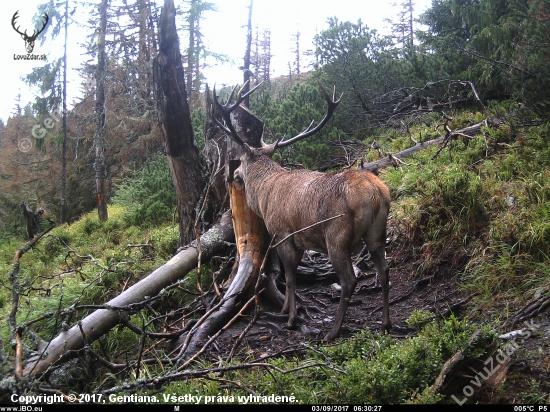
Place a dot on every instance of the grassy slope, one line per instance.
(83, 263)
(483, 218)
(486, 216)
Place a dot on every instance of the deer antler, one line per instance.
(332, 105)
(227, 108)
(15, 16)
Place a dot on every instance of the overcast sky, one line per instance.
(224, 32)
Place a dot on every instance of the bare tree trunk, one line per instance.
(216, 151)
(67, 344)
(250, 235)
(392, 159)
(266, 58)
(145, 36)
(187, 166)
(297, 53)
(31, 221)
(99, 137)
(63, 206)
(191, 49)
(256, 56)
(143, 46)
(196, 85)
(411, 30)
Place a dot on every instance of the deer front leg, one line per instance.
(291, 258)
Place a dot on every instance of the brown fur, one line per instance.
(289, 200)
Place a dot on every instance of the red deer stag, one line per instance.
(290, 200)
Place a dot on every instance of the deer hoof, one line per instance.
(291, 322)
(329, 337)
(385, 328)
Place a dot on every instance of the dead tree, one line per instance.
(216, 151)
(246, 65)
(250, 235)
(100, 113)
(32, 221)
(187, 166)
(394, 159)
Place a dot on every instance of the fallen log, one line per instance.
(68, 343)
(390, 160)
(451, 363)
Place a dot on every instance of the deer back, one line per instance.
(290, 200)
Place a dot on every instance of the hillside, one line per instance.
(467, 242)
(135, 268)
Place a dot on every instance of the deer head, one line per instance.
(29, 40)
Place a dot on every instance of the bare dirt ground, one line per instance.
(318, 297)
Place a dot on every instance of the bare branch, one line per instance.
(306, 228)
(213, 338)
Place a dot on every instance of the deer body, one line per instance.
(290, 200)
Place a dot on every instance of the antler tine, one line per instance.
(332, 105)
(226, 110)
(240, 97)
(248, 93)
(327, 96)
(269, 149)
(230, 131)
(228, 103)
(224, 128)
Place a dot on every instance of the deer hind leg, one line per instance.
(341, 262)
(378, 257)
(290, 257)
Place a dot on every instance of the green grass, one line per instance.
(366, 369)
(87, 262)
(487, 217)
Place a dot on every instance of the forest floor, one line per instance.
(523, 378)
(318, 297)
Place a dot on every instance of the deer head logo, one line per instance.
(29, 40)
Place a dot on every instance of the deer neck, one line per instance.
(259, 178)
